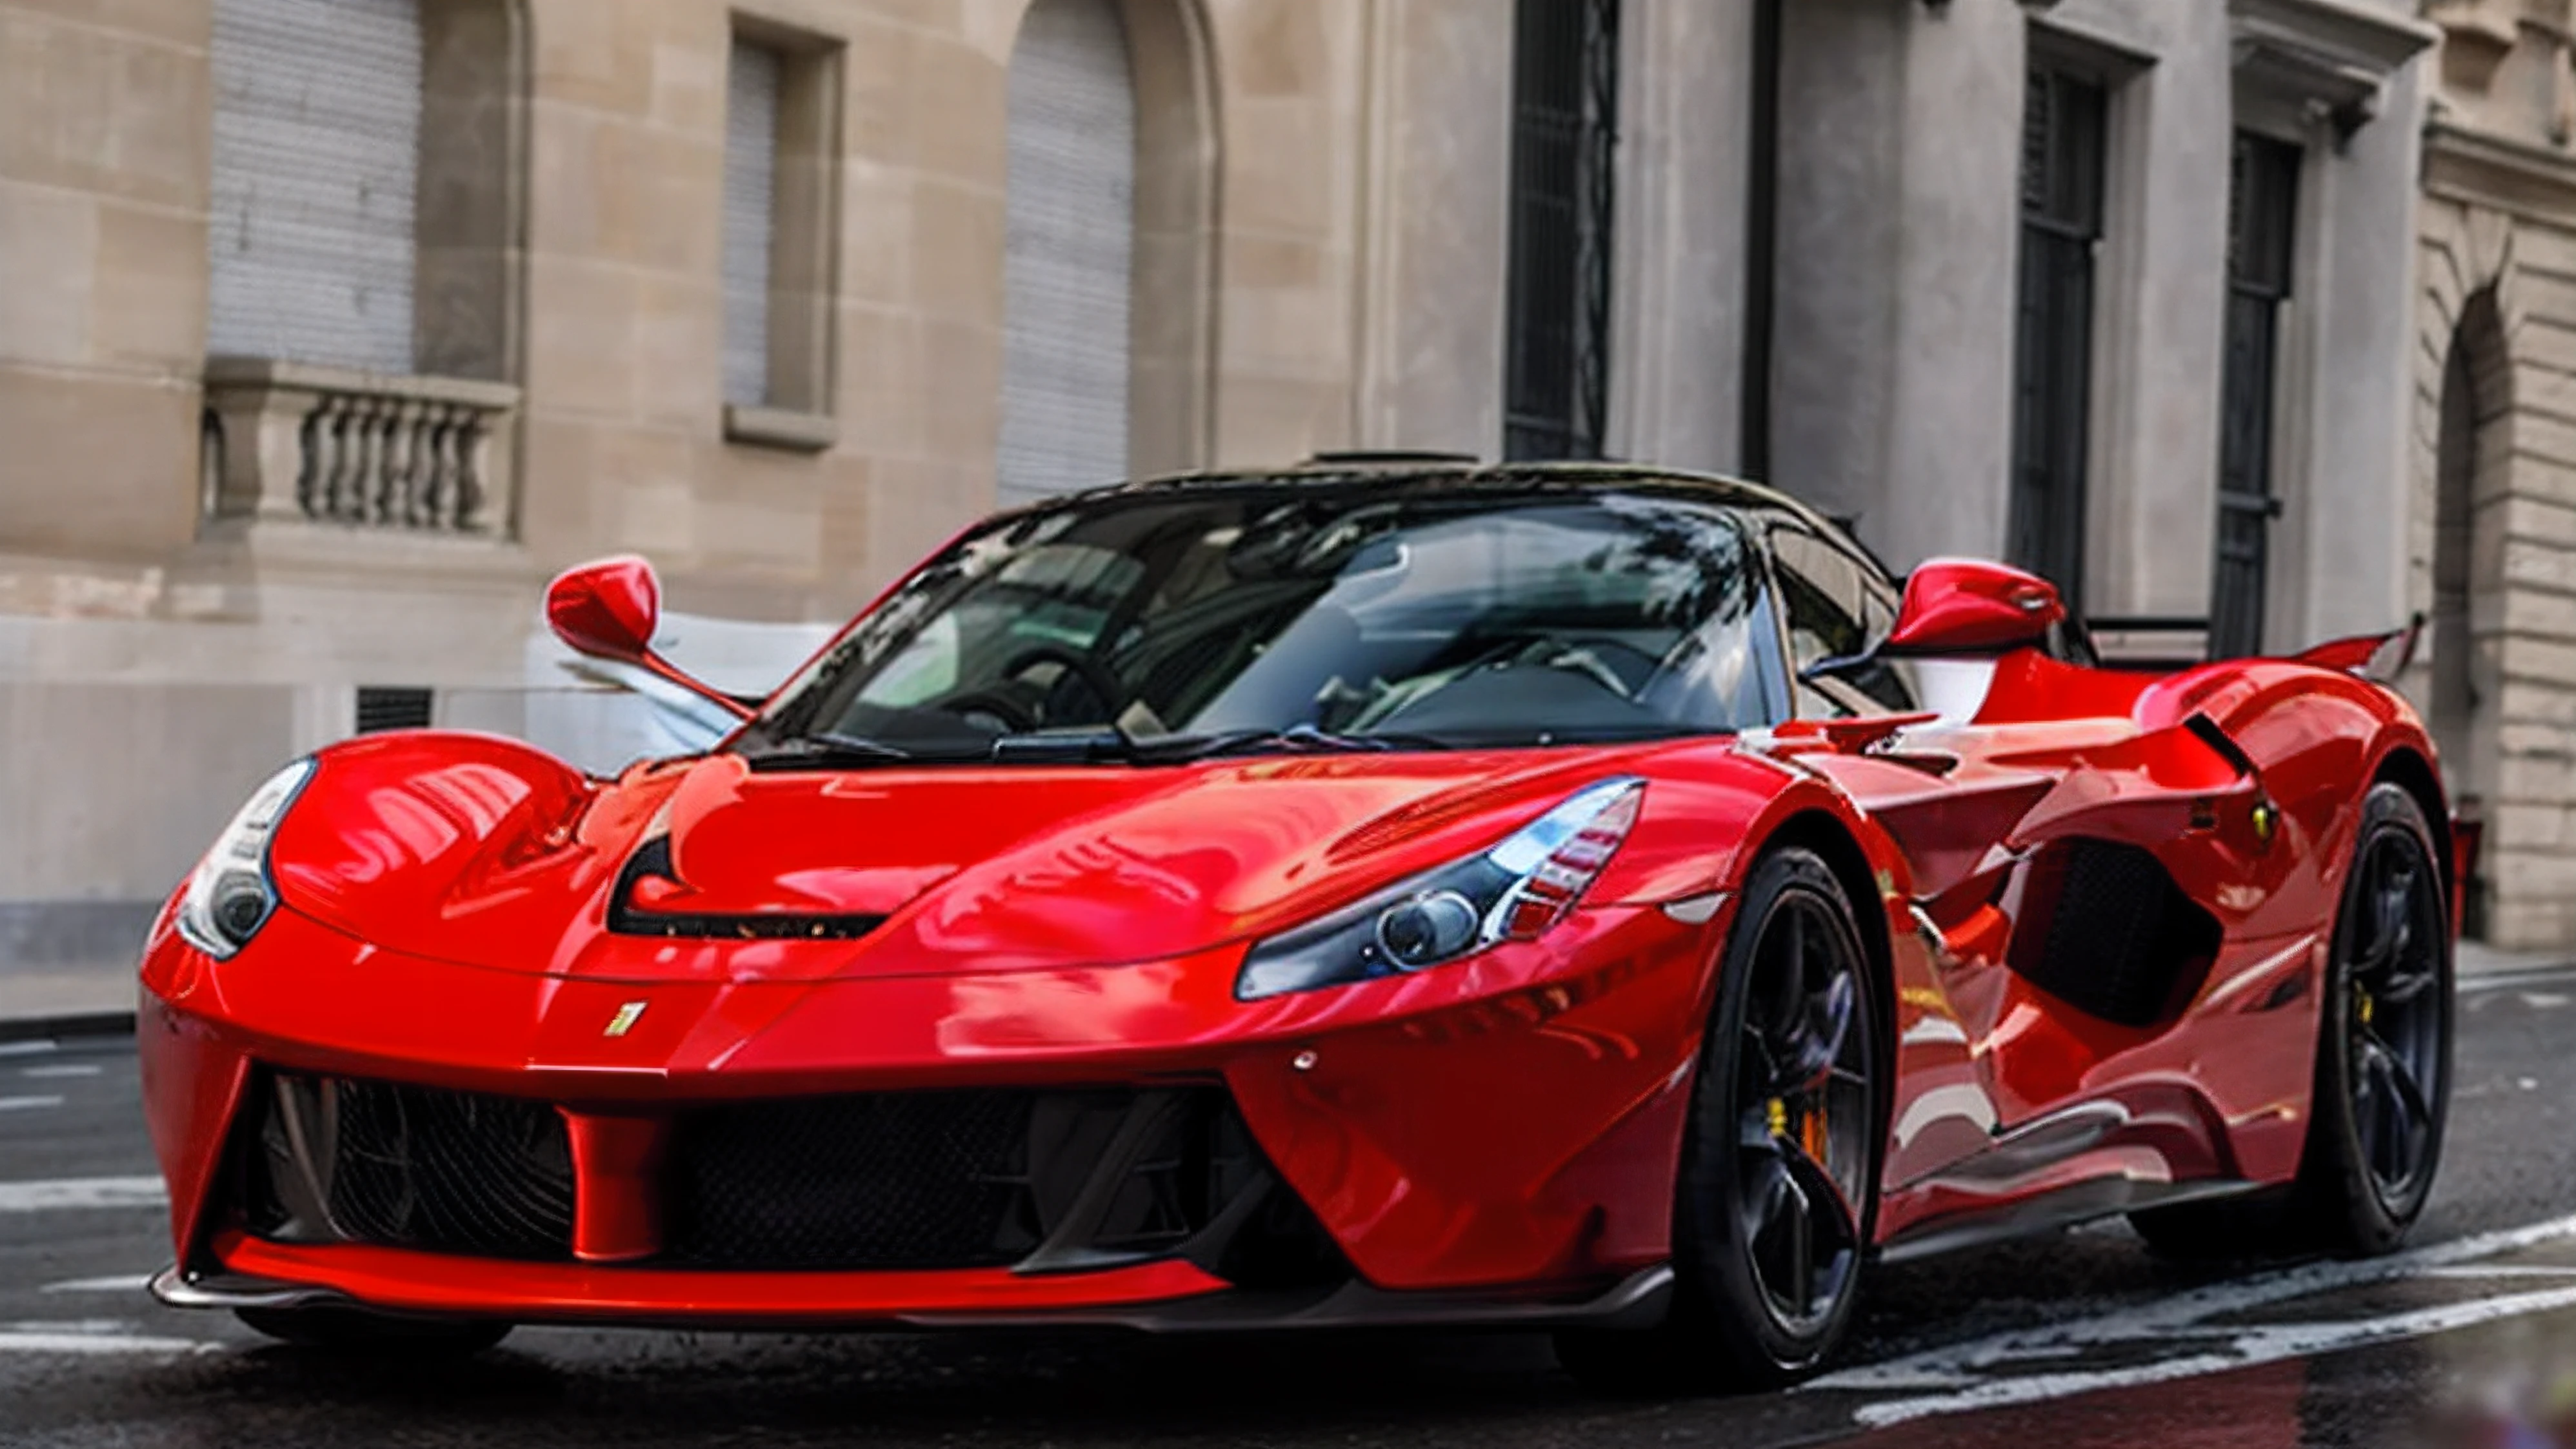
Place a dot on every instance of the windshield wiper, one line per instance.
(1307, 739)
(824, 748)
(1112, 742)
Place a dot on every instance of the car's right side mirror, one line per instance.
(1968, 606)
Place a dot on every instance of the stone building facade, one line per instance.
(2492, 547)
(330, 328)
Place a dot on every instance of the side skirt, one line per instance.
(2065, 1207)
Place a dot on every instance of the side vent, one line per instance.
(2106, 930)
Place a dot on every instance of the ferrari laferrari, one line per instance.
(1583, 898)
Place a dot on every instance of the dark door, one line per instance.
(1565, 107)
(2262, 209)
(2063, 121)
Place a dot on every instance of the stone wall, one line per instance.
(2497, 301)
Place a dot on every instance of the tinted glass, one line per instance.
(1835, 610)
(1424, 616)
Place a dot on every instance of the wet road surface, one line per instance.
(2469, 1337)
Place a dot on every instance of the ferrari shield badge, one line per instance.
(625, 1019)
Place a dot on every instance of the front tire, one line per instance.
(356, 1331)
(1777, 1197)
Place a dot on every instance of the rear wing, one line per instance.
(2166, 643)
(2379, 657)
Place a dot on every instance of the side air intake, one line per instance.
(2106, 930)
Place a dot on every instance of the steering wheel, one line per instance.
(1576, 656)
(1617, 656)
(1014, 716)
(1095, 675)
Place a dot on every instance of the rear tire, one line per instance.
(2383, 1067)
(2383, 1083)
(356, 1331)
(1777, 1197)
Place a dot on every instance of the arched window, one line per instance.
(1068, 251)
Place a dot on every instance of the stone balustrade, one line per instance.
(332, 445)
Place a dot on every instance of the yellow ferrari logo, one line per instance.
(624, 1021)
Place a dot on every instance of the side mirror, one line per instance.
(610, 610)
(1965, 606)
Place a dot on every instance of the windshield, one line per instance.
(1355, 614)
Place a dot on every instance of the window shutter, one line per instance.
(750, 209)
(1068, 239)
(315, 159)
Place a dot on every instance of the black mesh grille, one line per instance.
(414, 1167)
(909, 1180)
(2119, 936)
(949, 1179)
(1039, 1180)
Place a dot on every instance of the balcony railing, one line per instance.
(292, 441)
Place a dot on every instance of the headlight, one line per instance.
(1512, 892)
(230, 897)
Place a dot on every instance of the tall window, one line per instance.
(1069, 236)
(316, 139)
(2061, 223)
(750, 218)
(782, 124)
(1565, 108)
(2262, 210)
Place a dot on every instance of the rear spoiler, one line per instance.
(2168, 643)
(2378, 657)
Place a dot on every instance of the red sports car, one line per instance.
(1589, 898)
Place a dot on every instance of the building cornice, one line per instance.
(2480, 168)
(2334, 56)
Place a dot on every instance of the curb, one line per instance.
(66, 1025)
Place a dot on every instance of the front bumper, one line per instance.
(1165, 1298)
(1490, 1142)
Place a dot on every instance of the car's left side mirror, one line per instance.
(610, 609)
(1966, 606)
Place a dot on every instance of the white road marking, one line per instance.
(2543, 1000)
(63, 1069)
(129, 1283)
(91, 1338)
(28, 1104)
(27, 1048)
(2508, 980)
(1980, 1373)
(2250, 1348)
(81, 1192)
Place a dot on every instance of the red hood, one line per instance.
(467, 849)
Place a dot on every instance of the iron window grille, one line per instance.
(1565, 107)
(2262, 216)
(382, 708)
(2064, 120)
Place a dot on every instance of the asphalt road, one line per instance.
(2080, 1339)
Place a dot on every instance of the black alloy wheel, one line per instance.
(2383, 1083)
(1778, 1190)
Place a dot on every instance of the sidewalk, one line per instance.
(33, 995)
